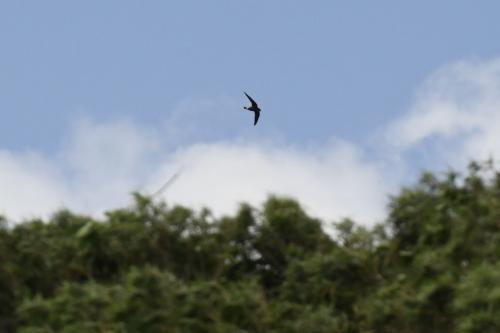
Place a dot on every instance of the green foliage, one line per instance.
(432, 266)
(478, 299)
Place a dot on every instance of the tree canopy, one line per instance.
(431, 266)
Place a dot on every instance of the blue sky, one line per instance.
(174, 72)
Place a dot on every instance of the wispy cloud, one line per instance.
(95, 170)
(456, 114)
(455, 117)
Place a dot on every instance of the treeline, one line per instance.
(431, 266)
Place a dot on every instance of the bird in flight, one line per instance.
(254, 108)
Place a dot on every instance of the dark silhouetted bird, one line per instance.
(254, 108)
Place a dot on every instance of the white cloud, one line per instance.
(97, 169)
(332, 182)
(101, 164)
(458, 111)
(29, 185)
(455, 116)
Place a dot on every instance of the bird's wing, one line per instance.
(256, 119)
(254, 103)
